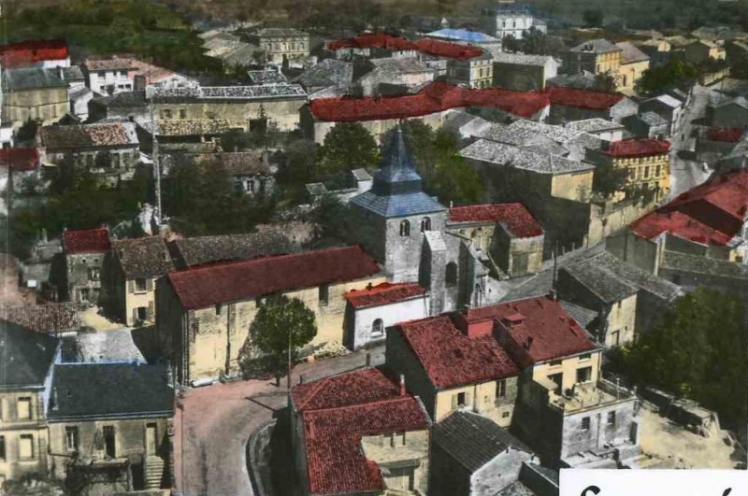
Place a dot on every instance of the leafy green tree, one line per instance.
(510, 44)
(605, 82)
(535, 42)
(298, 167)
(348, 146)
(658, 79)
(700, 351)
(281, 327)
(593, 18)
(26, 134)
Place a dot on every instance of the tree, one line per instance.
(609, 180)
(535, 42)
(605, 82)
(348, 146)
(298, 167)
(658, 79)
(699, 351)
(510, 44)
(593, 18)
(281, 327)
(26, 134)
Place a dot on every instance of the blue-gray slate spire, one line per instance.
(398, 189)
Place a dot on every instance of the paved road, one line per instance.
(686, 174)
(212, 426)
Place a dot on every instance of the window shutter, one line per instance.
(149, 313)
(454, 402)
(468, 399)
(149, 284)
(131, 286)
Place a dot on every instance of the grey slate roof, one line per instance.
(595, 46)
(697, 264)
(190, 252)
(653, 119)
(522, 158)
(111, 346)
(25, 356)
(594, 125)
(329, 72)
(72, 73)
(31, 78)
(630, 53)
(105, 390)
(143, 257)
(520, 59)
(613, 280)
(473, 440)
(583, 316)
(266, 76)
(397, 189)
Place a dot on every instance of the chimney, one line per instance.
(368, 359)
(472, 327)
(552, 295)
(403, 390)
(528, 343)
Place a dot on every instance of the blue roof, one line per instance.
(397, 205)
(463, 35)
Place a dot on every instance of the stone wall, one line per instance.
(403, 253)
(84, 273)
(389, 450)
(601, 432)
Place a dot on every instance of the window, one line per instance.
(115, 160)
(324, 295)
(520, 261)
(586, 424)
(71, 438)
(109, 441)
(612, 418)
(218, 308)
(559, 380)
(555, 363)
(250, 186)
(425, 224)
(24, 408)
(182, 114)
(94, 274)
(451, 274)
(2, 448)
(166, 114)
(140, 285)
(584, 374)
(658, 171)
(405, 228)
(646, 172)
(586, 356)
(616, 338)
(505, 415)
(500, 389)
(85, 294)
(26, 447)
(377, 328)
(461, 399)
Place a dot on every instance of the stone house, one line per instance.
(633, 64)
(658, 50)
(519, 72)
(372, 77)
(281, 45)
(702, 50)
(126, 105)
(33, 93)
(710, 220)
(206, 110)
(596, 56)
(647, 161)
(328, 73)
(20, 168)
(452, 361)
(601, 128)
(204, 313)
(374, 46)
(106, 148)
(25, 379)
(472, 456)
(134, 268)
(475, 72)
(108, 426)
(510, 20)
(249, 171)
(110, 76)
(731, 113)
(627, 300)
(572, 104)
(371, 310)
(360, 433)
(84, 252)
(506, 233)
(647, 125)
(666, 106)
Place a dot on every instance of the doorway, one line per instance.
(110, 446)
(151, 444)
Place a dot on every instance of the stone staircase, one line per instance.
(154, 472)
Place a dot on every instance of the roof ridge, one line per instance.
(379, 402)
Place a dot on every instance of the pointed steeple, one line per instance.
(398, 174)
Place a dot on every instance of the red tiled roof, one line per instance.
(383, 294)
(638, 147)
(542, 324)
(28, 53)
(352, 388)
(573, 97)
(20, 159)
(86, 241)
(335, 462)
(712, 213)
(428, 46)
(436, 97)
(439, 48)
(517, 219)
(727, 134)
(205, 286)
(450, 358)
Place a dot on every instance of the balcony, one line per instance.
(589, 396)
